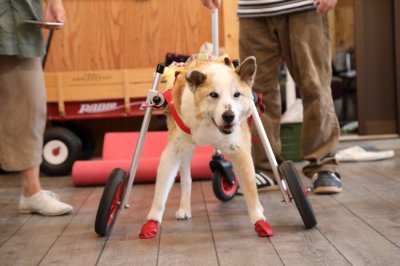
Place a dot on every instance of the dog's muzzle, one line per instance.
(228, 117)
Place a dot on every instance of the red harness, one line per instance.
(175, 115)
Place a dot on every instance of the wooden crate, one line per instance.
(66, 87)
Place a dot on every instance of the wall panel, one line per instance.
(115, 34)
(375, 53)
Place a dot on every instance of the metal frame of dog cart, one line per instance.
(118, 188)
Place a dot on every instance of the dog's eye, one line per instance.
(237, 94)
(214, 94)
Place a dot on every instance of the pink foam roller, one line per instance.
(118, 149)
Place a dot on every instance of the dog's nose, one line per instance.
(228, 116)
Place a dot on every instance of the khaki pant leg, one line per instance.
(308, 54)
(258, 38)
(22, 112)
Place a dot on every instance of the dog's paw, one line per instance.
(263, 229)
(149, 230)
(183, 214)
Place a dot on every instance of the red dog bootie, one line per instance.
(149, 230)
(263, 229)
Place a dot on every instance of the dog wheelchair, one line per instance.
(118, 187)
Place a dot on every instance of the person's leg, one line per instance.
(22, 123)
(308, 55)
(30, 182)
(22, 113)
(258, 37)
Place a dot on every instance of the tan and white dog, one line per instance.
(214, 101)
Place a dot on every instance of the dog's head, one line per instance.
(223, 94)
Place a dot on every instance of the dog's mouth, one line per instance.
(225, 129)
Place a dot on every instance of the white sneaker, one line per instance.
(44, 202)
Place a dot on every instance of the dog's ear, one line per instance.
(247, 70)
(195, 78)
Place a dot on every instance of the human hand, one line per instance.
(211, 4)
(54, 11)
(323, 6)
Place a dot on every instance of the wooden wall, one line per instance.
(231, 28)
(341, 22)
(115, 34)
(344, 24)
(376, 66)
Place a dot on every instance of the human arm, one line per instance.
(54, 11)
(323, 6)
(211, 4)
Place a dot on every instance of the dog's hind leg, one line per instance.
(243, 167)
(184, 211)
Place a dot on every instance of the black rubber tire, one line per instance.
(87, 138)
(70, 141)
(110, 202)
(299, 193)
(222, 190)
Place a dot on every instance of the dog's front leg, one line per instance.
(243, 167)
(166, 173)
(184, 211)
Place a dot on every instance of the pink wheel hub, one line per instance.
(115, 205)
(227, 188)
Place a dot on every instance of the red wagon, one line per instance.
(86, 95)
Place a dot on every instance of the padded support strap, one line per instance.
(175, 115)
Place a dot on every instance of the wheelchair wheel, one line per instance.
(110, 202)
(221, 187)
(299, 193)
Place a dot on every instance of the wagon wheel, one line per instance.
(61, 148)
(87, 138)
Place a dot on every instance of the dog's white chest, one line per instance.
(210, 135)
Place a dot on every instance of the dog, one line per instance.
(213, 101)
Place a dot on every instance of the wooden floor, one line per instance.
(360, 226)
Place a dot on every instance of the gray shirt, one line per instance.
(267, 8)
(17, 38)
